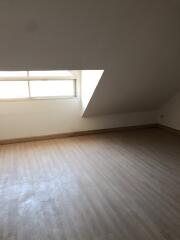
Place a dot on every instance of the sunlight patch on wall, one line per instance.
(89, 82)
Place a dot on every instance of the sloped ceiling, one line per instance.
(136, 42)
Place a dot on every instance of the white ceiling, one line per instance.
(136, 42)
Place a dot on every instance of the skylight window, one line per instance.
(13, 74)
(13, 89)
(52, 88)
(37, 84)
(50, 74)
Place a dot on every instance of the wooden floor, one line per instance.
(115, 186)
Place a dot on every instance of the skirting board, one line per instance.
(172, 130)
(73, 134)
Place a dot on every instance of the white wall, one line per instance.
(169, 114)
(44, 117)
(135, 42)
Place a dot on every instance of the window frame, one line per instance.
(38, 78)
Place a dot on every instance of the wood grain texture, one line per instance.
(109, 186)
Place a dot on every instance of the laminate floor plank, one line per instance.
(112, 186)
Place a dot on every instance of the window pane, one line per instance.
(52, 88)
(13, 74)
(13, 89)
(50, 74)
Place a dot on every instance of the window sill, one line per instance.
(38, 99)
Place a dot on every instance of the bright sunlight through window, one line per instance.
(13, 89)
(50, 74)
(37, 84)
(52, 88)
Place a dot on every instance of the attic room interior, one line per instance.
(90, 120)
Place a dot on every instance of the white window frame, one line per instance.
(39, 78)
